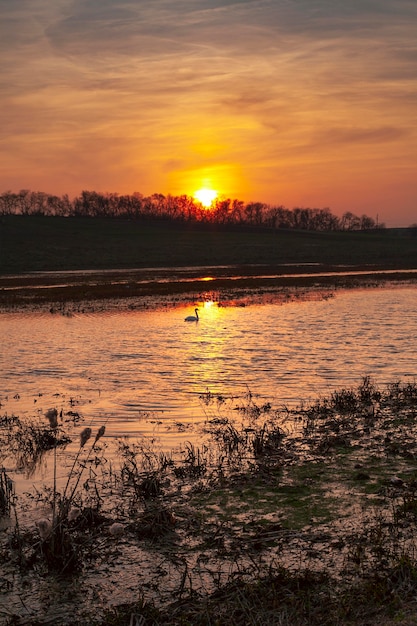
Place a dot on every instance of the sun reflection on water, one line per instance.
(126, 365)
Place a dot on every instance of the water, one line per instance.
(143, 372)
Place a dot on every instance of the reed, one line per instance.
(58, 548)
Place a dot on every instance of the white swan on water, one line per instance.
(192, 318)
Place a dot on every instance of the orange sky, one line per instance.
(295, 102)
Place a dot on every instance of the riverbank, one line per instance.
(306, 518)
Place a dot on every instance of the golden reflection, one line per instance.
(213, 337)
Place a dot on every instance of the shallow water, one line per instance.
(140, 372)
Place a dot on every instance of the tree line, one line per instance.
(181, 209)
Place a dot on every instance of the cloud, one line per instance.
(359, 136)
(254, 85)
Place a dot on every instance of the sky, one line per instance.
(307, 103)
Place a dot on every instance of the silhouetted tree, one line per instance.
(179, 208)
(350, 221)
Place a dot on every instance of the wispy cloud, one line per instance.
(152, 95)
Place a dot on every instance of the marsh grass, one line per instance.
(298, 517)
(58, 542)
(29, 442)
(60, 547)
(289, 598)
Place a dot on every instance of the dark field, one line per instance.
(50, 244)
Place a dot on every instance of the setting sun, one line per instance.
(206, 196)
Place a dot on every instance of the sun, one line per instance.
(206, 196)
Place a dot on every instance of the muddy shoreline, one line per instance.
(138, 288)
(268, 524)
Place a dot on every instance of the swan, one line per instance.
(192, 318)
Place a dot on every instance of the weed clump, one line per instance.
(154, 523)
(60, 538)
(28, 442)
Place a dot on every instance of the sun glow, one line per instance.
(206, 196)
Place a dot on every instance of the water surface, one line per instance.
(143, 371)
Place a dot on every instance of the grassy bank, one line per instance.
(54, 243)
(301, 518)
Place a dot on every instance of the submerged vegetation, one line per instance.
(301, 516)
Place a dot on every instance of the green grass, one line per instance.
(55, 243)
(294, 499)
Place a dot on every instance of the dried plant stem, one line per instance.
(54, 496)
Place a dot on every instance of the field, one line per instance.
(47, 244)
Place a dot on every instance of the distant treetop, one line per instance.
(181, 209)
